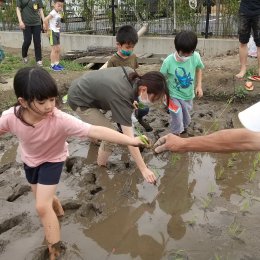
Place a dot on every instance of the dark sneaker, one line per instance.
(55, 68)
(60, 66)
(145, 125)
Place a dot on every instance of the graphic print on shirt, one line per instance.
(182, 80)
(58, 22)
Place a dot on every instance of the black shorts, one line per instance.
(246, 24)
(54, 38)
(47, 173)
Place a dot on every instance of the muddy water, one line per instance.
(204, 206)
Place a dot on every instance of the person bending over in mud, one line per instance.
(42, 130)
(116, 89)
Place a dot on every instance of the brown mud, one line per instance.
(204, 206)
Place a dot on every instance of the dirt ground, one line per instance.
(205, 206)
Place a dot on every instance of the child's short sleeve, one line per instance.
(199, 62)
(72, 125)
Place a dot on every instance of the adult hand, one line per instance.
(44, 27)
(149, 176)
(21, 25)
(169, 142)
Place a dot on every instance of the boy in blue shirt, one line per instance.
(183, 70)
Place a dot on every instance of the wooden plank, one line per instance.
(93, 59)
(147, 55)
(149, 60)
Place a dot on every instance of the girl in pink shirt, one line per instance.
(42, 130)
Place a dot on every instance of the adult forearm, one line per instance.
(18, 13)
(223, 141)
(135, 152)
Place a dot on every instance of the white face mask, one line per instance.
(181, 58)
(146, 101)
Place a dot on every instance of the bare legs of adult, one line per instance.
(258, 59)
(243, 52)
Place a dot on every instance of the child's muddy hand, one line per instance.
(145, 141)
(149, 176)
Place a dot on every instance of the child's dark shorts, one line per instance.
(47, 173)
(54, 38)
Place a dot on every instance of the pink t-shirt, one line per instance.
(46, 141)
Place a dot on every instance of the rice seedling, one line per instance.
(192, 222)
(235, 230)
(245, 206)
(143, 138)
(178, 255)
(212, 190)
(230, 163)
(206, 202)
(251, 175)
(175, 158)
(220, 174)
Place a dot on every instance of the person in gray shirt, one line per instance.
(116, 89)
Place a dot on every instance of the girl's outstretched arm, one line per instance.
(112, 136)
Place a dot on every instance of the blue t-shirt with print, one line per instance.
(181, 75)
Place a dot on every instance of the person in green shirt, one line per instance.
(29, 14)
(183, 70)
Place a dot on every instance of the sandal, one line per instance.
(254, 78)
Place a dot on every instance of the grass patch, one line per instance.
(12, 63)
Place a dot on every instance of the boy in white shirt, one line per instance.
(53, 23)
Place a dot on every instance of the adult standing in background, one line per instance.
(29, 14)
(2, 55)
(248, 20)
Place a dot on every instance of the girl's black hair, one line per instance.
(155, 82)
(33, 83)
(185, 41)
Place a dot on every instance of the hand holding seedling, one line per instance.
(169, 142)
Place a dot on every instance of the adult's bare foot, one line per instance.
(241, 74)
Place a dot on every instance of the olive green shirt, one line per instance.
(30, 11)
(117, 61)
(107, 89)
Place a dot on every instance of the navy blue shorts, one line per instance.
(47, 173)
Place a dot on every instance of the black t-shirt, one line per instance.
(250, 7)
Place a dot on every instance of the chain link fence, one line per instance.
(216, 18)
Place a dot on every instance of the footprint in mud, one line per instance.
(68, 252)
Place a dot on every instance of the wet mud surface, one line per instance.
(204, 206)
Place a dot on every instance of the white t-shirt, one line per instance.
(55, 21)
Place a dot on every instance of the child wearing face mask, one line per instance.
(126, 39)
(183, 70)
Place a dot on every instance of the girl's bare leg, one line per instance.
(44, 206)
(57, 207)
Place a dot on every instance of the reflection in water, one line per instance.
(154, 222)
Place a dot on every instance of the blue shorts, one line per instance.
(47, 173)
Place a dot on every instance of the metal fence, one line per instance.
(216, 18)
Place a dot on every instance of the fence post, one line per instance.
(207, 19)
(113, 17)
